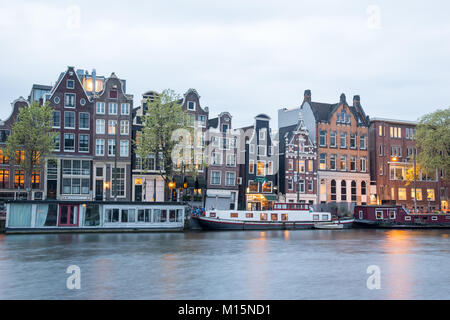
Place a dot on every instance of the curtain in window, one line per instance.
(41, 215)
(20, 215)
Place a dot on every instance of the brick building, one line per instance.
(392, 148)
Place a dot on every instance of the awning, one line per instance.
(201, 182)
(190, 182)
(270, 197)
(179, 181)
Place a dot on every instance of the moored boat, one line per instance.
(339, 224)
(282, 216)
(395, 216)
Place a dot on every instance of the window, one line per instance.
(69, 120)
(112, 127)
(301, 165)
(215, 177)
(301, 186)
(323, 161)
(83, 143)
(333, 190)
(260, 168)
(401, 193)
(100, 108)
(124, 127)
(69, 142)
(379, 214)
(128, 215)
(290, 184)
(363, 188)
(118, 182)
(231, 160)
(202, 120)
(69, 100)
(274, 216)
(263, 216)
(430, 195)
(343, 164)
(380, 130)
(252, 148)
(216, 158)
(20, 157)
(380, 150)
(124, 148)
(100, 126)
(70, 84)
(112, 108)
(352, 140)
(323, 138)
(343, 140)
(333, 162)
(363, 164)
(4, 179)
(19, 179)
(418, 193)
(343, 190)
(253, 186)
(230, 178)
(381, 169)
(3, 158)
(84, 120)
(310, 165)
(310, 185)
(266, 187)
(353, 190)
(251, 167)
(144, 215)
(262, 134)
(99, 147)
(397, 172)
(113, 95)
(111, 147)
(333, 139)
(352, 163)
(191, 105)
(262, 150)
(270, 168)
(362, 142)
(56, 119)
(125, 108)
(225, 128)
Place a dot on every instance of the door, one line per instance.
(68, 215)
(51, 189)
(99, 190)
(138, 193)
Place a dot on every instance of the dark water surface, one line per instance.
(304, 264)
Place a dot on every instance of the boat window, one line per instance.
(263, 216)
(163, 215)
(274, 217)
(277, 206)
(234, 214)
(144, 215)
(284, 206)
(284, 216)
(112, 215)
(172, 215)
(315, 217)
(379, 214)
(407, 218)
(434, 218)
(392, 214)
(157, 215)
(212, 214)
(324, 217)
(361, 214)
(128, 215)
(92, 215)
(180, 213)
(249, 215)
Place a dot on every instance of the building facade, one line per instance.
(300, 165)
(392, 150)
(223, 171)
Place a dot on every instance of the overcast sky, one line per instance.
(245, 57)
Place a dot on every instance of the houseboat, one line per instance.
(93, 216)
(283, 216)
(395, 216)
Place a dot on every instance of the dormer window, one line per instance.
(224, 128)
(262, 135)
(70, 84)
(191, 105)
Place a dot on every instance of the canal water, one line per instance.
(308, 264)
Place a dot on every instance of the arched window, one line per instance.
(343, 190)
(363, 188)
(353, 191)
(333, 190)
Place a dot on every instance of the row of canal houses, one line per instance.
(322, 153)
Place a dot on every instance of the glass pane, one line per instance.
(64, 214)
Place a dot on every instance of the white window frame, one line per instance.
(79, 140)
(122, 142)
(220, 177)
(102, 107)
(101, 144)
(97, 126)
(79, 121)
(110, 104)
(127, 105)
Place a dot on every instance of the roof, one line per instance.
(394, 121)
(322, 111)
(213, 123)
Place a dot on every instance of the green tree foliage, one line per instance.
(163, 116)
(31, 134)
(433, 141)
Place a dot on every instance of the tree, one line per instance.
(433, 141)
(31, 139)
(165, 128)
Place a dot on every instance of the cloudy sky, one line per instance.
(242, 56)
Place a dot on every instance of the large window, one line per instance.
(99, 147)
(125, 108)
(397, 172)
(3, 157)
(4, 179)
(231, 160)
(362, 141)
(112, 126)
(84, 120)
(83, 143)
(430, 195)
(418, 193)
(343, 163)
(56, 119)
(118, 181)
(124, 127)
(343, 140)
(301, 165)
(352, 163)
(333, 162)
(363, 164)
(301, 186)
(111, 147)
(100, 108)
(323, 161)
(332, 138)
(100, 126)
(69, 100)
(112, 108)
(260, 168)
(19, 179)
(69, 119)
(323, 138)
(230, 178)
(352, 140)
(69, 142)
(124, 146)
(343, 190)
(401, 193)
(215, 177)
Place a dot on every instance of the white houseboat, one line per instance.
(93, 216)
(283, 216)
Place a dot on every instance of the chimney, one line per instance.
(356, 101)
(307, 95)
(342, 98)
